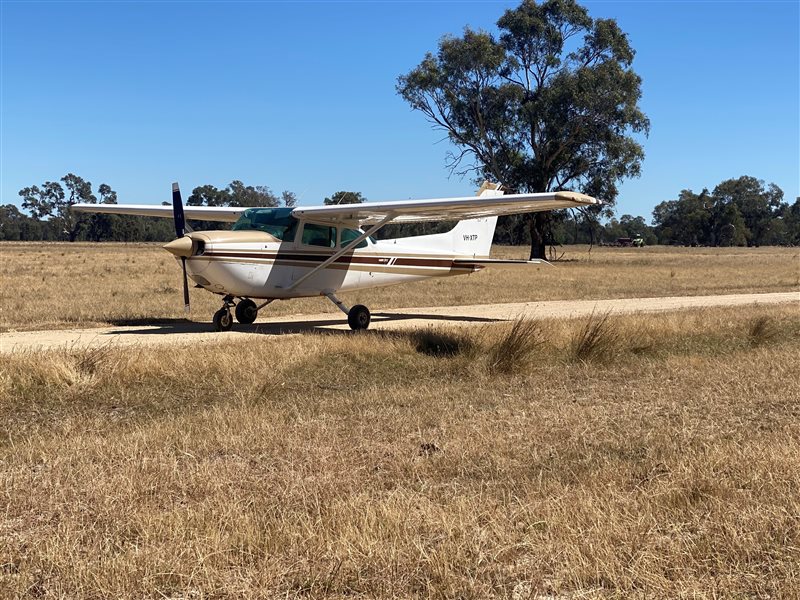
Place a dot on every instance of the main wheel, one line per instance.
(246, 311)
(358, 317)
(223, 320)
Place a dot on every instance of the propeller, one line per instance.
(180, 231)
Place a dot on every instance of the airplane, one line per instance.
(279, 253)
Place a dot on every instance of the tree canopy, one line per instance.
(552, 103)
(738, 212)
(51, 219)
(345, 198)
(51, 201)
(239, 194)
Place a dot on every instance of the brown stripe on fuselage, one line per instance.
(346, 259)
(427, 271)
(294, 256)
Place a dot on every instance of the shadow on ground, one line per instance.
(327, 326)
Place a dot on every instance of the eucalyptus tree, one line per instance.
(345, 197)
(53, 202)
(550, 102)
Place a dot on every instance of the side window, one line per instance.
(348, 235)
(319, 235)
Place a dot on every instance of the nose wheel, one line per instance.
(223, 321)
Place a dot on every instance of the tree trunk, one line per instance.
(537, 225)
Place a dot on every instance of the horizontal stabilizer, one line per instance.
(479, 263)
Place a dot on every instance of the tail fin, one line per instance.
(469, 238)
(474, 236)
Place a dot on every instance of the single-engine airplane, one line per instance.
(279, 253)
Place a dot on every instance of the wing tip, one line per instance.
(578, 198)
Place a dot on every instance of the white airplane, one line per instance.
(278, 253)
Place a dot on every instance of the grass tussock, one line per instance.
(762, 330)
(441, 342)
(512, 351)
(598, 339)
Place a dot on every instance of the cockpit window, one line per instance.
(278, 222)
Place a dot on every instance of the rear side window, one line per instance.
(319, 235)
(348, 235)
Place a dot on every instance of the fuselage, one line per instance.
(263, 260)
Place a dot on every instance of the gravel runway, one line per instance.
(190, 332)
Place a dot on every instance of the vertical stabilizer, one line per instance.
(474, 236)
(470, 238)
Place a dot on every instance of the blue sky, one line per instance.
(301, 96)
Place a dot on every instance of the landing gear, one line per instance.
(223, 321)
(246, 311)
(358, 317)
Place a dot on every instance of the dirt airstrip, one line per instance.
(179, 331)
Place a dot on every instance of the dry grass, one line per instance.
(356, 466)
(443, 342)
(49, 286)
(762, 330)
(513, 350)
(596, 339)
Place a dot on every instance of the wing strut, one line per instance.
(343, 250)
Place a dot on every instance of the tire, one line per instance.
(358, 318)
(246, 311)
(223, 321)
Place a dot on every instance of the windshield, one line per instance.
(278, 222)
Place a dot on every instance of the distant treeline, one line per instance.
(738, 212)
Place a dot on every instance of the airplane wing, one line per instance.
(489, 203)
(444, 209)
(198, 213)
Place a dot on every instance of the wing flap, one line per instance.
(198, 213)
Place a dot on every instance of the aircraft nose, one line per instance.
(180, 247)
